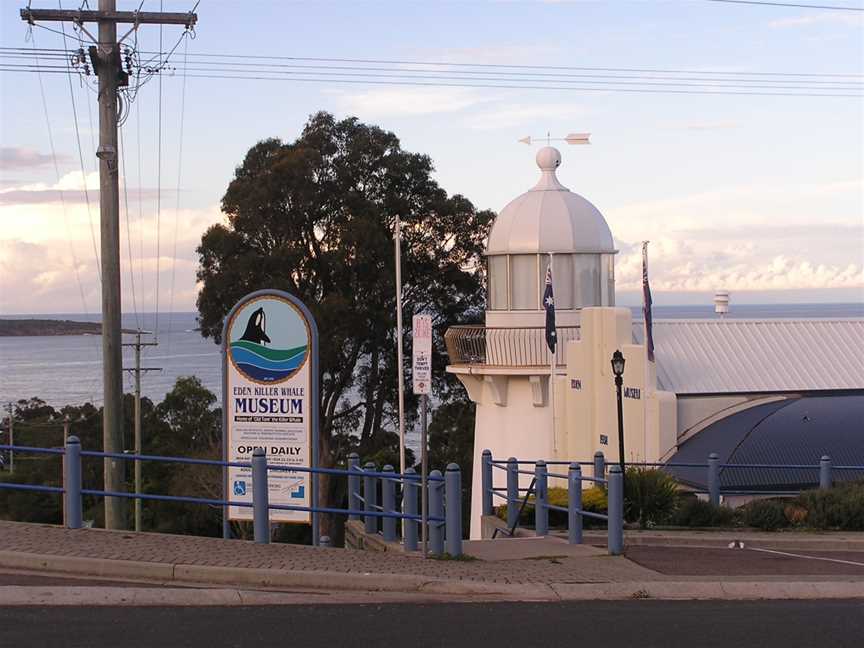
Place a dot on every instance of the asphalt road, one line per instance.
(608, 624)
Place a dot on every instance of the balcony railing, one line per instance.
(505, 346)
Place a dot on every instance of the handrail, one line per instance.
(523, 346)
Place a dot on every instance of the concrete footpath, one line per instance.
(542, 569)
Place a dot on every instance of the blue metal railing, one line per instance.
(444, 521)
(614, 516)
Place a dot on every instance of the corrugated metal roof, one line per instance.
(795, 431)
(766, 355)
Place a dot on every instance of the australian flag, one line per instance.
(549, 305)
(646, 304)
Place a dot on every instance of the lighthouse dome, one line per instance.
(550, 225)
(549, 218)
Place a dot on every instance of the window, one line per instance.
(586, 279)
(497, 282)
(562, 274)
(523, 282)
(608, 284)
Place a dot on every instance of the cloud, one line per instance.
(388, 102)
(524, 115)
(706, 126)
(53, 268)
(13, 158)
(69, 189)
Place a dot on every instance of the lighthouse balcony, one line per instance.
(506, 347)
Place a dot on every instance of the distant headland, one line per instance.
(43, 327)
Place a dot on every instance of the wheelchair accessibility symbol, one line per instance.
(239, 487)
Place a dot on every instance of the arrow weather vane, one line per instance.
(572, 138)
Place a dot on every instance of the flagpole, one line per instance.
(648, 386)
(401, 368)
(552, 383)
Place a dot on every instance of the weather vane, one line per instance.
(572, 138)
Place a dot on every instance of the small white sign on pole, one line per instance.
(422, 354)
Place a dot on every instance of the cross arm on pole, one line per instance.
(187, 19)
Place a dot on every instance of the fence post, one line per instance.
(370, 498)
(512, 493)
(453, 509)
(409, 507)
(714, 479)
(260, 497)
(72, 483)
(436, 510)
(574, 504)
(825, 472)
(541, 512)
(486, 483)
(353, 485)
(599, 466)
(388, 504)
(615, 511)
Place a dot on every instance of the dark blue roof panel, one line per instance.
(793, 431)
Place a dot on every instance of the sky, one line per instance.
(761, 196)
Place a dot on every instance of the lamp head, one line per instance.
(618, 363)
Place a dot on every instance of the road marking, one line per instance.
(794, 555)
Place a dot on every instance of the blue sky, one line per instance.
(758, 195)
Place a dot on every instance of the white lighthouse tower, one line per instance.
(506, 365)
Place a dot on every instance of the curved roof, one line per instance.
(549, 218)
(793, 431)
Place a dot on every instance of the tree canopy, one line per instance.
(316, 218)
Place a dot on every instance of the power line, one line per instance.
(482, 66)
(81, 161)
(158, 190)
(177, 204)
(788, 4)
(526, 84)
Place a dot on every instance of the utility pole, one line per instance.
(11, 438)
(107, 63)
(137, 371)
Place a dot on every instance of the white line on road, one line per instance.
(794, 555)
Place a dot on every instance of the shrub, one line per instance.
(841, 507)
(650, 496)
(766, 514)
(593, 501)
(693, 512)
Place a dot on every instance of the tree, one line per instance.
(316, 218)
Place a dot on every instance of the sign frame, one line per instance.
(314, 401)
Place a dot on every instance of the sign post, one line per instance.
(270, 401)
(422, 378)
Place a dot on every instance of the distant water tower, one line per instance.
(721, 302)
(505, 365)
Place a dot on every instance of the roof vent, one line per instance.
(721, 302)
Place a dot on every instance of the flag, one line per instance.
(646, 304)
(549, 305)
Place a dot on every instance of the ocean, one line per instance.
(67, 369)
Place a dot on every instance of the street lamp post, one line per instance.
(618, 370)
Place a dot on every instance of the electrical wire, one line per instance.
(128, 228)
(177, 204)
(81, 161)
(788, 4)
(158, 193)
(50, 134)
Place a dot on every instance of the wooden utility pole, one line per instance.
(107, 62)
(11, 438)
(137, 371)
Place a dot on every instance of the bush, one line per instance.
(766, 514)
(841, 507)
(593, 501)
(650, 496)
(693, 512)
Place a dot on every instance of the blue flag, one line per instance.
(646, 304)
(549, 305)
